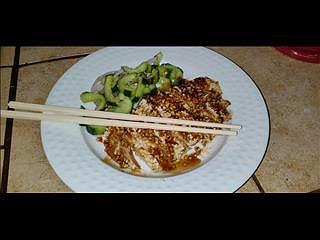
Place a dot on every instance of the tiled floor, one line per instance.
(29, 168)
(249, 187)
(290, 87)
(7, 54)
(4, 87)
(292, 91)
(32, 54)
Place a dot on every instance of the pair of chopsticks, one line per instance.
(91, 117)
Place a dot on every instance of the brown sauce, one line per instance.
(192, 100)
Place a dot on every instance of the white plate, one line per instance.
(76, 156)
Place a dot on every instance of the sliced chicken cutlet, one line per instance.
(118, 148)
(199, 99)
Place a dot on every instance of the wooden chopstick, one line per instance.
(106, 122)
(120, 116)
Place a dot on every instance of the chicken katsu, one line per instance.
(169, 151)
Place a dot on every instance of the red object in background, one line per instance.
(306, 54)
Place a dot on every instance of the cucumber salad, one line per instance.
(121, 90)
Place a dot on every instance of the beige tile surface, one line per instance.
(34, 54)
(6, 56)
(249, 187)
(5, 75)
(29, 167)
(291, 89)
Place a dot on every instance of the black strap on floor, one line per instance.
(9, 122)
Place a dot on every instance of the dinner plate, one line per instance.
(77, 157)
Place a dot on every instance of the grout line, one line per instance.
(6, 66)
(48, 60)
(316, 191)
(9, 122)
(256, 181)
(54, 59)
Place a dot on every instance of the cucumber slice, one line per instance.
(168, 66)
(143, 89)
(158, 57)
(95, 97)
(128, 83)
(115, 79)
(147, 89)
(109, 81)
(155, 75)
(140, 89)
(124, 105)
(95, 129)
(175, 73)
(163, 84)
(176, 76)
(149, 68)
(163, 71)
(175, 81)
(133, 98)
(141, 68)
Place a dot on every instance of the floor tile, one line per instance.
(35, 54)
(5, 75)
(291, 89)
(6, 56)
(30, 170)
(249, 187)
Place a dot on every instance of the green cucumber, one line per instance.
(115, 79)
(128, 83)
(95, 97)
(163, 84)
(109, 81)
(147, 89)
(174, 73)
(149, 68)
(155, 75)
(158, 57)
(141, 68)
(124, 105)
(140, 89)
(163, 71)
(121, 90)
(143, 89)
(93, 129)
